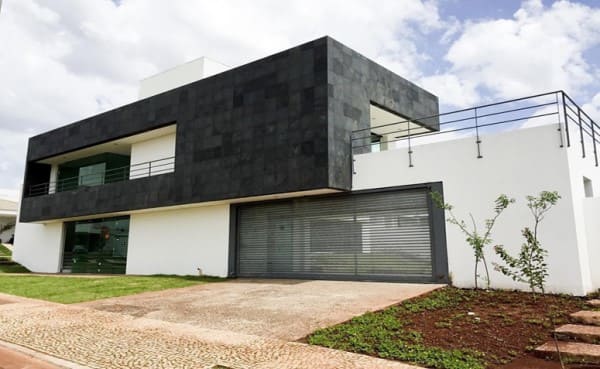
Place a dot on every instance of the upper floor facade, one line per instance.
(278, 125)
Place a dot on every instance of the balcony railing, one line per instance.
(573, 125)
(134, 171)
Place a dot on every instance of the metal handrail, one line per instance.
(416, 120)
(133, 171)
(567, 112)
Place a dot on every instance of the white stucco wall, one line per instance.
(154, 149)
(39, 246)
(180, 241)
(179, 75)
(517, 163)
(591, 208)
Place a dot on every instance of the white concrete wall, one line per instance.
(39, 246)
(585, 213)
(178, 76)
(211, 67)
(180, 241)
(517, 163)
(591, 208)
(154, 149)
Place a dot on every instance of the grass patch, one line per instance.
(4, 251)
(453, 328)
(384, 335)
(7, 265)
(12, 267)
(70, 290)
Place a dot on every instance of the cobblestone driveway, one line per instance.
(102, 339)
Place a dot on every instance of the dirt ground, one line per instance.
(505, 325)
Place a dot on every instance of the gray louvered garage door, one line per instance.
(371, 236)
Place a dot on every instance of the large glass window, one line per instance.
(92, 175)
(96, 246)
(92, 171)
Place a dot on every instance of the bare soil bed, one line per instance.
(503, 325)
(458, 328)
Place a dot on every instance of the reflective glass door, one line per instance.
(96, 246)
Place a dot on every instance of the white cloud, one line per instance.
(451, 89)
(538, 50)
(64, 60)
(592, 108)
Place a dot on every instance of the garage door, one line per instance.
(370, 236)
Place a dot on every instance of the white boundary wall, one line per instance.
(518, 163)
(180, 241)
(591, 208)
(39, 246)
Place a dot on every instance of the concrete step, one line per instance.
(594, 302)
(588, 317)
(573, 352)
(579, 333)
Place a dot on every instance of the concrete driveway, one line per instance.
(284, 309)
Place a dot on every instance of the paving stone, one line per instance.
(576, 332)
(107, 340)
(10, 359)
(587, 317)
(594, 302)
(574, 352)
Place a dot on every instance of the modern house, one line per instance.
(314, 162)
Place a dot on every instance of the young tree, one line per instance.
(530, 266)
(476, 240)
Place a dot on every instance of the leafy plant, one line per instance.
(476, 240)
(530, 266)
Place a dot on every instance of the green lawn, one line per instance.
(4, 251)
(12, 267)
(70, 290)
(7, 265)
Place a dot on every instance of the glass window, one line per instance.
(92, 175)
(96, 245)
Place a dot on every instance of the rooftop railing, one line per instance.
(134, 171)
(573, 125)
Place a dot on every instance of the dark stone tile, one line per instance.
(279, 124)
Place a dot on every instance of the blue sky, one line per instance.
(64, 60)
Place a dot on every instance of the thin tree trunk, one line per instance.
(476, 267)
(487, 272)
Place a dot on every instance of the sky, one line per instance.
(65, 60)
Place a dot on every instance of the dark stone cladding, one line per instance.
(354, 82)
(279, 124)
